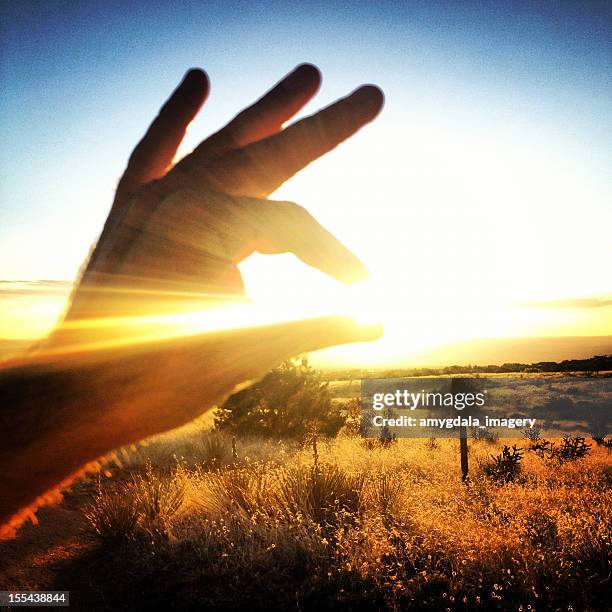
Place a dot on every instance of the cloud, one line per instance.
(592, 302)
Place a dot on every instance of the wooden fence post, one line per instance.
(463, 448)
(457, 386)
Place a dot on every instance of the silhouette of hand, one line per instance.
(175, 235)
(182, 231)
(171, 244)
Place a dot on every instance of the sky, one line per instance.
(479, 199)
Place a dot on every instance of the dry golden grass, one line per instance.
(364, 528)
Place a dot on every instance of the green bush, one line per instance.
(288, 402)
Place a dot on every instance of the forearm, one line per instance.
(59, 412)
(49, 431)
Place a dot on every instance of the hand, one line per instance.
(175, 235)
(182, 232)
(171, 244)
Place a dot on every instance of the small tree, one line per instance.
(288, 402)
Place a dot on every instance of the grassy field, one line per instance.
(188, 522)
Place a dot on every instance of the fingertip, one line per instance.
(309, 70)
(305, 76)
(371, 98)
(376, 94)
(356, 272)
(196, 81)
(361, 275)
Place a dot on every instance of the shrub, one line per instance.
(157, 497)
(572, 448)
(395, 529)
(605, 442)
(532, 433)
(286, 403)
(371, 443)
(319, 494)
(113, 517)
(599, 427)
(137, 509)
(387, 437)
(506, 466)
(385, 491)
(543, 449)
(216, 450)
(352, 422)
(241, 491)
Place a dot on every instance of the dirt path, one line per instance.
(33, 559)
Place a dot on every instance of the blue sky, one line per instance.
(496, 112)
(81, 80)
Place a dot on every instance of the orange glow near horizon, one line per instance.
(414, 330)
(449, 262)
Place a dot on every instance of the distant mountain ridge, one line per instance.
(590, 366)
(525, 350)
